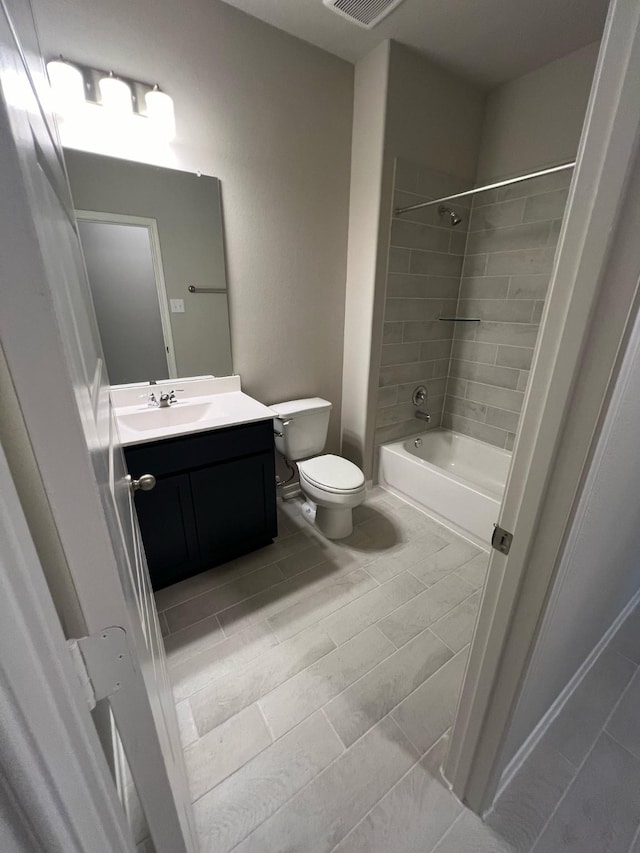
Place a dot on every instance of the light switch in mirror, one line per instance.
(154, 249)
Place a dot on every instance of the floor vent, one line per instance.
(364, 13)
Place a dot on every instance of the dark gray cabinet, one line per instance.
(215, 498)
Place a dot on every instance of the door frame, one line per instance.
(588, 314)
(59, 783)
(156, 256)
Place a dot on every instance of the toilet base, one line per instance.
(333, 523)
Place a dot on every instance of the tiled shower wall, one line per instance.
(509, 256)
(423, 281)
(496, 266)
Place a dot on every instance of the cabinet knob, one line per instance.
(144, 483)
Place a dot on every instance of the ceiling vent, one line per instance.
(364, 13)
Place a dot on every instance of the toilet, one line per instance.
(332, 486)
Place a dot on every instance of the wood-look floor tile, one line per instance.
(322, 814)
(312, 688)
(360, 706)
(470, 835)
(627, 639)
(600, 812)
(527, 803)
(421, 611)
(623, 725)
(222, 597)
(223, 750)
(390, 565)
(432, 568)
(224, 658)
(316, 605)
(576, 728)
(369, 608)
(228, 695)
(455, 628)
(192, 640)
(426, 714)
(475, 571)
(411, 818)
(236, 807)
(271, 601)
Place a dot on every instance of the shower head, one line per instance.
(453, 216)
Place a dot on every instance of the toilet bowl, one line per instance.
(333, 486)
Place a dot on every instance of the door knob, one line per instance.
(144, 483)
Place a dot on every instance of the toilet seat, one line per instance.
(332, 474)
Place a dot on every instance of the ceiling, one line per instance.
(488, 41)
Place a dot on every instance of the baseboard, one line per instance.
(532, 741)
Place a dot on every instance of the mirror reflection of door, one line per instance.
(127, 285)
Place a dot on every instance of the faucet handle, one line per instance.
(150, 397)
(172, 394)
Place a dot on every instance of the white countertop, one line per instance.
(207, 404)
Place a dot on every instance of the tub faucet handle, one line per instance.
(419, 395)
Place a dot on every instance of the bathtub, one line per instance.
(457, 480)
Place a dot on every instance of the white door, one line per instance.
(51, 343)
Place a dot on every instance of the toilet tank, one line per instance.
(301, 427)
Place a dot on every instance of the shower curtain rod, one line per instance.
(400, 210)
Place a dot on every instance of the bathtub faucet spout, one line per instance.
(423, 416)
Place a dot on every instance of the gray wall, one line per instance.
(509, 256)
(423, 281)
(271, 117)
(429, 116)
(536, 120)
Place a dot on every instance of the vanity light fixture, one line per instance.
(160, 111)
(115, 95)
(79, 89)
(67, 86)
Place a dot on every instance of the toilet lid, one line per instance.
(332, 473)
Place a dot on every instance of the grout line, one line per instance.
(442, 837)
(265, 721)
(345, 748)
(603, 730)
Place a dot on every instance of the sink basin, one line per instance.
(176, 415)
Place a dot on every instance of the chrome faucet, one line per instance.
(151, 399)
(169, 399)
(423, 416)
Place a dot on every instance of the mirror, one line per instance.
(154, 249)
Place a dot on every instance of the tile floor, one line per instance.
(314, 682)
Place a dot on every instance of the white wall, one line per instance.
(270, 116)
(369, 119)
(536, 120)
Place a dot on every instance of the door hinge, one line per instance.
(102, 662)
(501, 539)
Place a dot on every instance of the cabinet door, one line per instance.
(168, 531)
(234, 506)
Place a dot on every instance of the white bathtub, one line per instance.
(456, 479)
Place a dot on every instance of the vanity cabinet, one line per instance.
(214, 499)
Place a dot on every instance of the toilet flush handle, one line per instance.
(284, 424)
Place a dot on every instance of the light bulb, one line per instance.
(160, 112)
(116, 96)
(67, 87)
